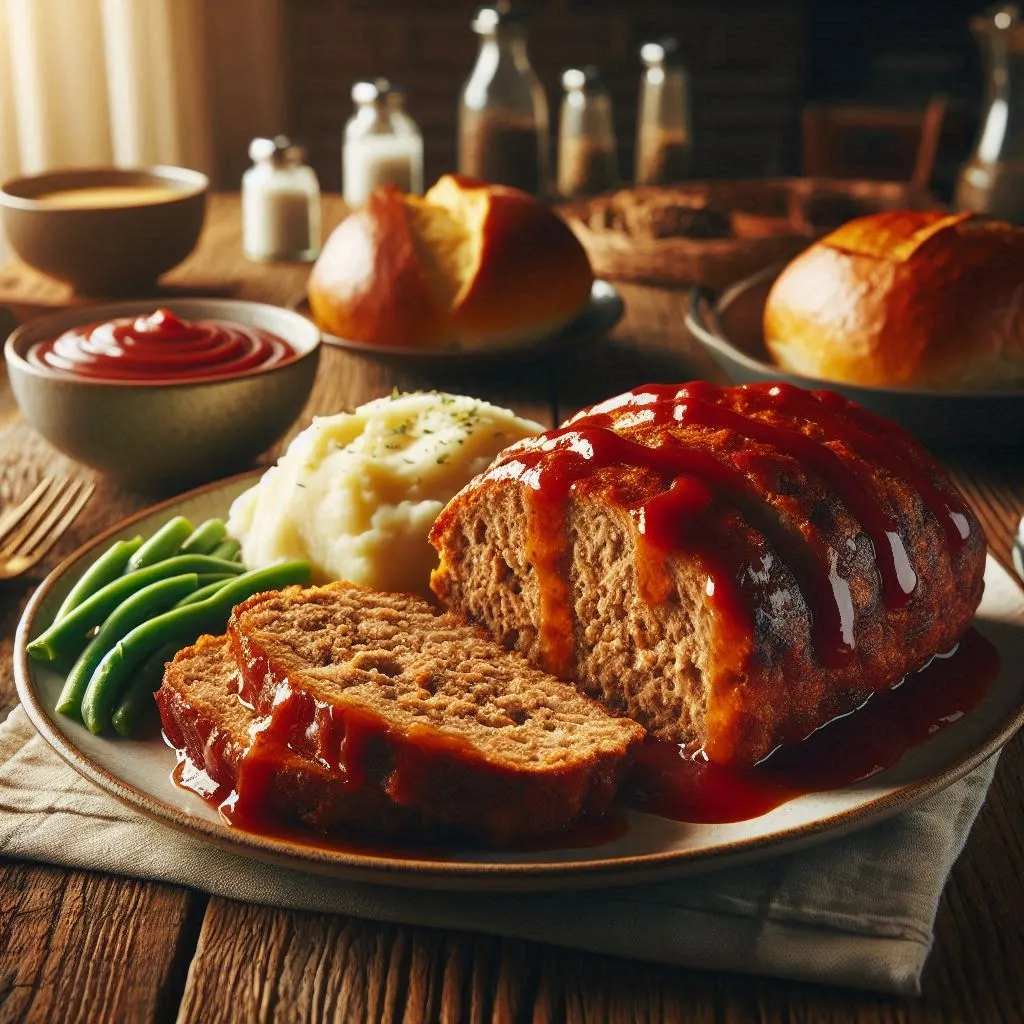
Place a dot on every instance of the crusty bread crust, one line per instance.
(674, 663)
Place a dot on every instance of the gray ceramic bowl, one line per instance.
(729, 327)
(105, 250)
(158, 437)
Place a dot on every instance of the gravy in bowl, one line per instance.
(103, 196)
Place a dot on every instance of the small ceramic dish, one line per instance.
(143, 223)
(602, 313)
(730, 328)
(160, 436)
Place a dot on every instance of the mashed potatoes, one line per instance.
(356, 494)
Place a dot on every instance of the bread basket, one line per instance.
(714, 233)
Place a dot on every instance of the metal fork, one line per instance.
(28, 531)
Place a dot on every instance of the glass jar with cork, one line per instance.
(503, 112)
(664, 140)
(382, 143)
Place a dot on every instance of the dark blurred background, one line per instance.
(779, 86)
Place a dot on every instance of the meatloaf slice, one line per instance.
(393, 698)
(732, 567)
(205, 719)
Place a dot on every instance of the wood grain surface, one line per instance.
(78, 946)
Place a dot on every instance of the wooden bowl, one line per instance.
(105, 250)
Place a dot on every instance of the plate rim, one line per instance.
(712, 336)
(543, 345)
(464, 876)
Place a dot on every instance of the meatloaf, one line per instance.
(342, 706)
(205, 719)
(730, 566)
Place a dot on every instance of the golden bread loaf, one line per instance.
(469, 265)
(904, 300)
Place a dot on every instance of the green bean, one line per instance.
(204, 538)
(142, 605)
(105, 569)
(65, 639)
(206, 578)
(179, 625)
(204, 592)
(139, 698)
(229, 549)
(163, 544)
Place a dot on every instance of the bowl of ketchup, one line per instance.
(162, 394)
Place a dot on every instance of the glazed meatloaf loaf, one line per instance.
(346, 706)
(732, 567)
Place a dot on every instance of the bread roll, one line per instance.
(905, 300)
(467, 266)
(731, 567)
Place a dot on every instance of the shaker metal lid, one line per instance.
(376, 90)
(489, 17)
(581, 78)
(661, 51)
(280, 149)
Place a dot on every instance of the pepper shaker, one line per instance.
(587, 153)
(664, 144)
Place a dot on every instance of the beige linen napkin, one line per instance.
(856, 911)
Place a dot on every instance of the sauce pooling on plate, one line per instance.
(662, 782)
(848, 750)
(159, 348)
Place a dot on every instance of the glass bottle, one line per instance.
(664, 141)
(280, 203)
(992, 180)
(503, 112)
(382, 144)
(587, 153)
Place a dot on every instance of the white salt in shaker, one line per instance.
(280, 203)
(382, 144)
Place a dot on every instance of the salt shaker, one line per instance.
(587, 158)
(664, 144)
(382, 144)
(503, 112)
(280, 203)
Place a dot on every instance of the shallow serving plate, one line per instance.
(729, 327)
(139, 771)
(603, 312)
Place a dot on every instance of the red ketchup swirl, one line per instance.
(161, 347)
(825, 434)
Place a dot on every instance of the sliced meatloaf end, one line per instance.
(427, 710)
(204, 718)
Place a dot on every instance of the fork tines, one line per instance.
(30, 529)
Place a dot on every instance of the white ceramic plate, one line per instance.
(602, 313)
(138, 771)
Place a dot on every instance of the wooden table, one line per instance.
(89, 947)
